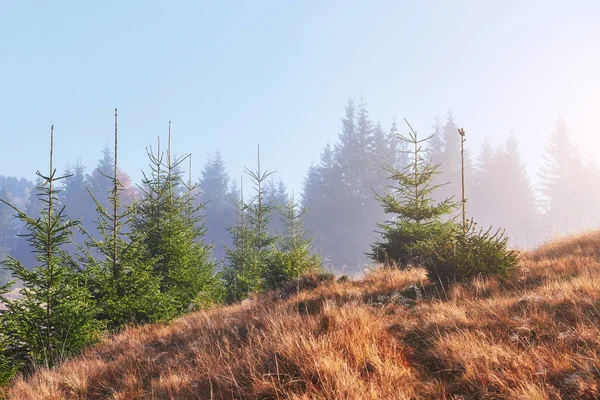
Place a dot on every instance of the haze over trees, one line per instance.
(146, 259)
(339, 190)
(92, 252)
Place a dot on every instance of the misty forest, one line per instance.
(338, 202)
(87, 250)
(90, 242)
(300, 200)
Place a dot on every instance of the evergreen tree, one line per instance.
(248, 261)
(339, 190)
(260, 214)
(398, 150)
(511, 195)
(120, 279)
(99, 185)
(216, 198)
(54, 317)
(483, 185)
(8, 228)
(33, 206)
(18, 189)
(276, 195)
(350, 186)
(240, 275)
(416, 217)
(320, 194)
(292, 256)
(97, 181)
(173, 236)
(74, 195)
(8, 233)
(445, 150)
(559, 182)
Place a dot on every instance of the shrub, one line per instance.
(457, 256)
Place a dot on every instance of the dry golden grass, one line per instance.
(391, 335)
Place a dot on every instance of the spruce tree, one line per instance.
(240, 274)
(260, 214)
(8, 233)
(97, 182)
(54, 317)
(276, 195)
(483, 185)
(292, 256)
(74, 195)
(173, 234)
(559, 182)
(215, 197)
(33, 206)
(319, 195)
(120, 279)
(445, 151)
(8, 227)
(248, 261)
(414, 215)
(511, 196)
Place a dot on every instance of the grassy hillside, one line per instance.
(535, 335)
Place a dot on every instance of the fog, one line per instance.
(319, 87)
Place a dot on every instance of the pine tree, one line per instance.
(8, 233)
(559, 177)
(74, 195)
(120, 279)
(415, 215)
(8, 228)
(260, 214)
(97, 182)
(33, 206)
(445, 150)
(511, 196)
(248, 261)
(276, 195)
(215, 196)
(398, 154)
(293, 255)
(483, 185)
(350, 193)
(173, 235)
(240, 274)
(54, 317)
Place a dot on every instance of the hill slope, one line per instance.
(390, 335)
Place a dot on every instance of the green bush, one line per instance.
(285, 266)
(458, 256)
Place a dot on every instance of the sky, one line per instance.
(232, 74)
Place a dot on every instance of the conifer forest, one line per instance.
(87, 250)
(299, 200)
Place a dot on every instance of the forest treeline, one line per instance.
(339, 191)
(90, 252)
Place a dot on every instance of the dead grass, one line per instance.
(391, 335)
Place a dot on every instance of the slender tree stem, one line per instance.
(49, 260)
(260, 208)
(115, 204)
(461, 132)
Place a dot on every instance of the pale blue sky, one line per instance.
(233, 74)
